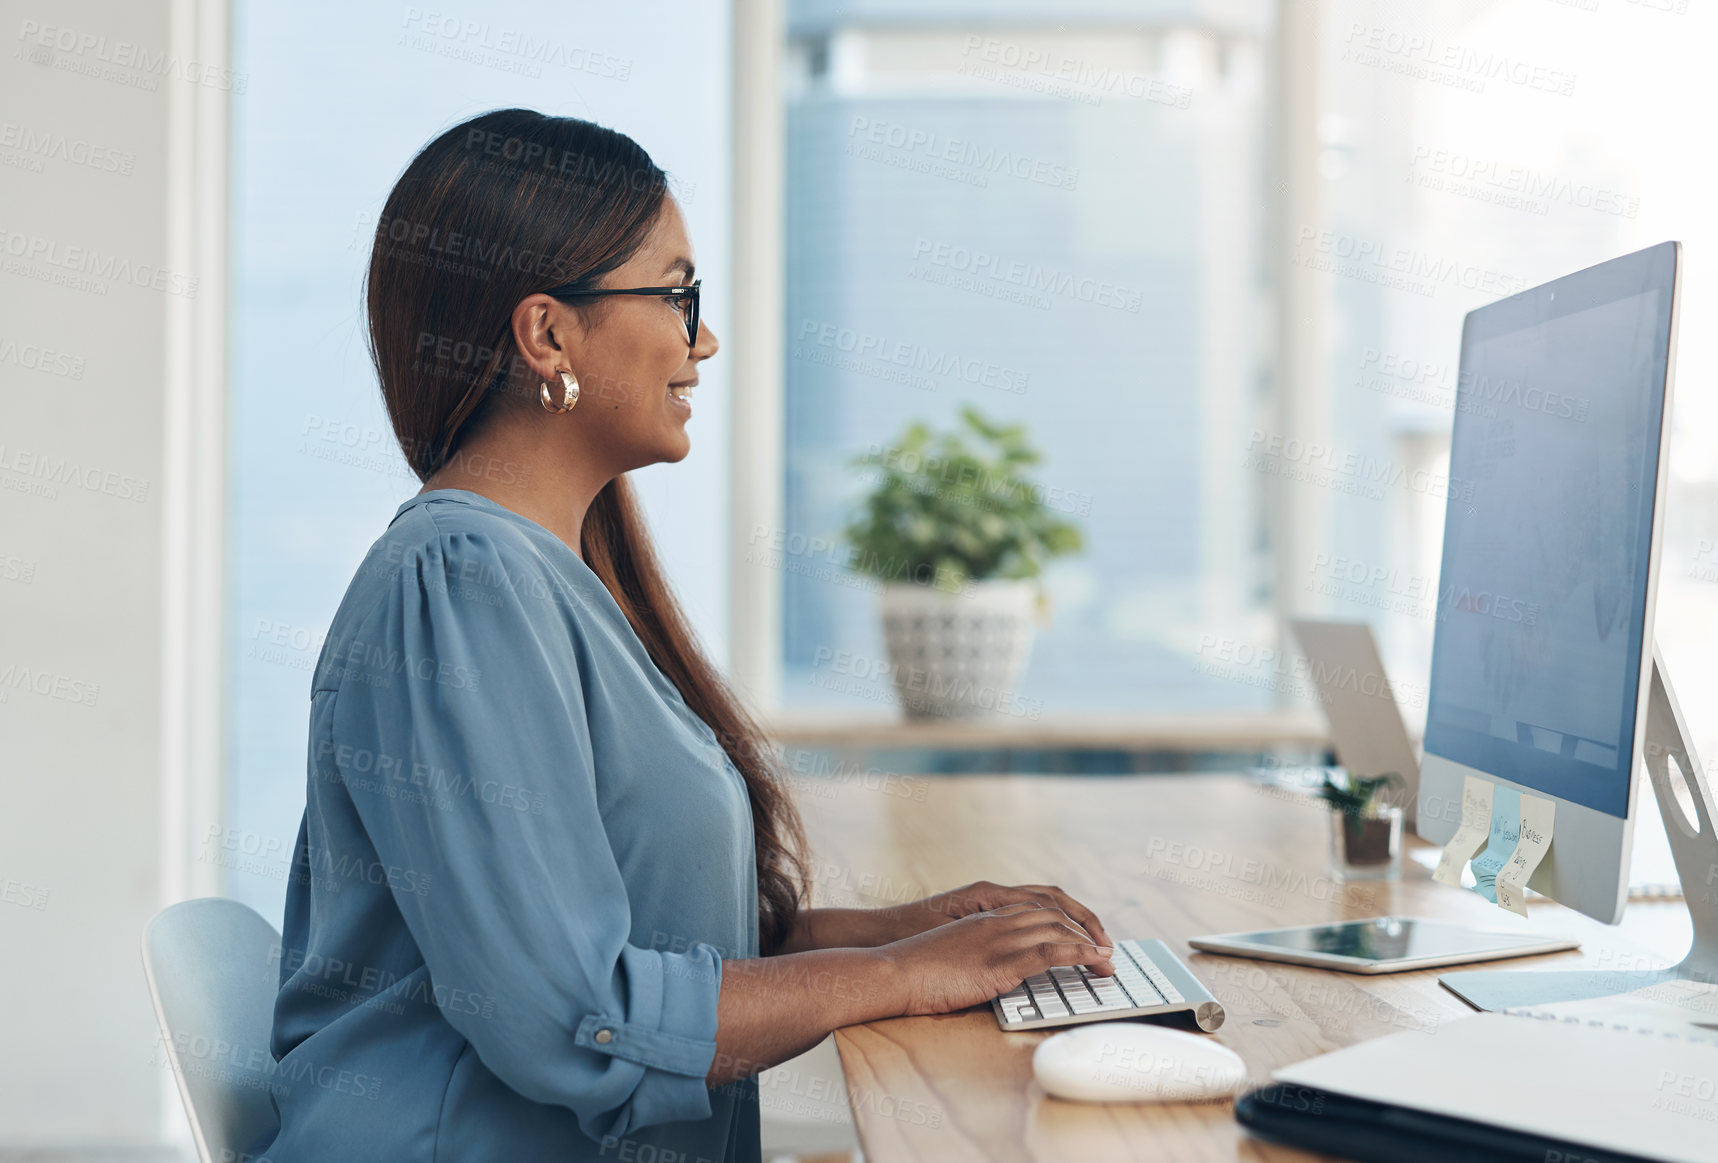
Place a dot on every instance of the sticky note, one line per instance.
(1505, 835)
(1475, 826)
(1537, 816)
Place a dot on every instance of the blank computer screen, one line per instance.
(1548, 537)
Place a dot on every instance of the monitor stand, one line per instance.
(1695, 848)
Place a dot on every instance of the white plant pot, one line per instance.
(959, 655)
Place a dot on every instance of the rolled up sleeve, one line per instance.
(469, 677)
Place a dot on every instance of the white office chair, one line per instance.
(803, 1110)
(212, 967)
(213, 972)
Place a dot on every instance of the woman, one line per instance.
(547, 901)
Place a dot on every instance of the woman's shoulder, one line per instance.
(456, 550)
(478, 544)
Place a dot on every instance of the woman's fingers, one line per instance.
(1027, 908)
(1066, 949)
(1037, 929)
(1087, 919)
(987, 896)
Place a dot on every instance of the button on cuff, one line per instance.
(653, 1048)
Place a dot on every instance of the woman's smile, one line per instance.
(680, 395)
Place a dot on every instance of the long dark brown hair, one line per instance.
(497, 208)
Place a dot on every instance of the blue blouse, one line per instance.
(522, 861)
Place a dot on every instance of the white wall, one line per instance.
(106, 723)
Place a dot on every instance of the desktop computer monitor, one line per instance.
(1542, 653)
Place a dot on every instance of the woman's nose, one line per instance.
(707, 344)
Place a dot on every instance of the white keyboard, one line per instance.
(1149, 979)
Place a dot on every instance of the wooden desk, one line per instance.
(1265, 731)
(1155, 856)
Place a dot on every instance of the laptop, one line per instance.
(1366, 728)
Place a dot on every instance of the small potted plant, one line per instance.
(958, 534)
(1365, 826)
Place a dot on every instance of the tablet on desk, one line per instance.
(1381, 945)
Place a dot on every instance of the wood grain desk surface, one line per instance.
(1171, 857)
(1189, 732)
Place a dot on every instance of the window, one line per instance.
(1065, 229)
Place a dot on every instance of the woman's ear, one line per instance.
(547, 333)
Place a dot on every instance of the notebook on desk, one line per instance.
(1495, 1086)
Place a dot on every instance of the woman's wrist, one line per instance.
(858, 928)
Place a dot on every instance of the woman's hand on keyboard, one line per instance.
(982, 896)
(972, 959)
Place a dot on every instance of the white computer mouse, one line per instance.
(1123, 1061)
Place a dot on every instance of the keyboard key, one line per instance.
(1075, 989)
(1045, 996)
(1169, 992)
(1143, 993)
(1108, 991)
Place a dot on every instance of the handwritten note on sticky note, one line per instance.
(1475, 827)
(1505, 835)
(1537, 816)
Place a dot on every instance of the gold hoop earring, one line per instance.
(569, 393)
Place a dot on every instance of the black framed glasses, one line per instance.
(683, 299)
